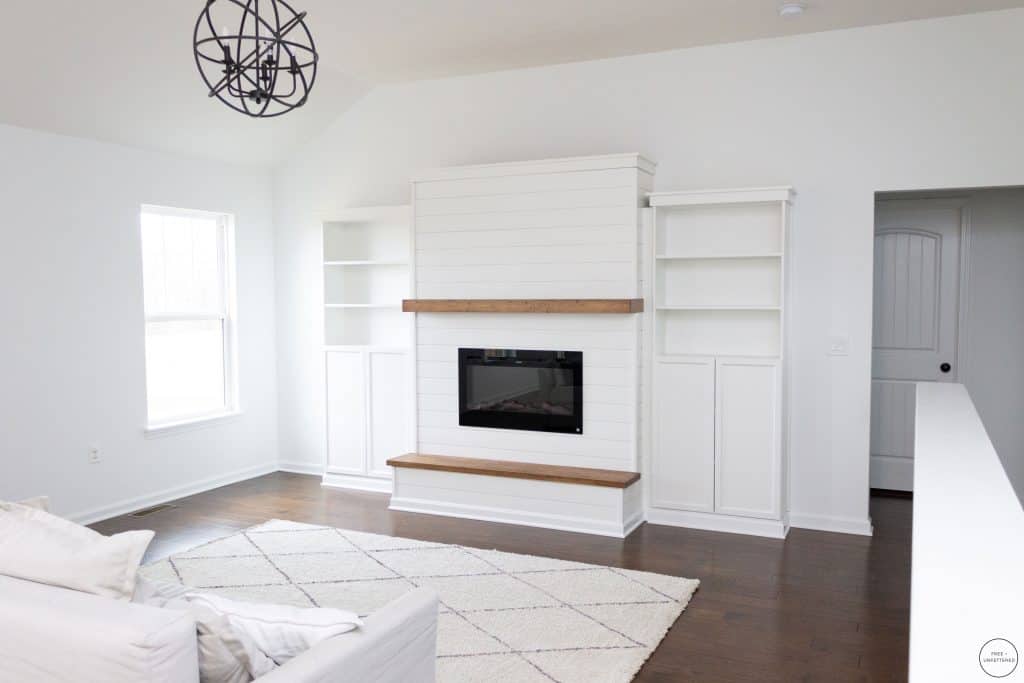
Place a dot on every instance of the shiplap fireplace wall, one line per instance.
(559, 229)
(712, 265)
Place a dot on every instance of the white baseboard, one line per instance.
(502, 516)
(356, 483)
(888, 472)
(840, 525)
(750, 526)
(141, 502)
(300, 468)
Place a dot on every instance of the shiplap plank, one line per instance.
(504, 254)
(591, 374)
(517, 220)
(531, 272)
(503, 289)
(544, 238)
(605, 403)
(609, 358)
(596, 428)
(524, 339)
(444, 393)
(581, 324)
(521, 184)
(618, 459)
(524, 202)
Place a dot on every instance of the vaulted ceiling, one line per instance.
(123, 71)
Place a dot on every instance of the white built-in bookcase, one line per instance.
(717, 285)
(367, 273)
(367, 261)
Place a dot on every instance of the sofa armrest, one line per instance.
(397, 644)
(55, 634)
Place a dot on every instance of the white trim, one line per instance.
(335, 480)
(228, 315)
(521, 517)
(142, 502)
(183, 213)
(715, 521)
(963, 315)
(191, 424)
(724, 196)
(839, 525)
(515, 168)
(301, 468)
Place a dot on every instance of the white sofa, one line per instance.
(54, 634)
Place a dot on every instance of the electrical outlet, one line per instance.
(94, 455)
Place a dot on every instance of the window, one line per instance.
(188, 279)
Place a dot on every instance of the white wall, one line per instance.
(838, 115)
(994, 367)
(72, 345)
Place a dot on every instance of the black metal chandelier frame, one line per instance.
(249, 83)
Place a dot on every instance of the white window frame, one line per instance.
(228, 316)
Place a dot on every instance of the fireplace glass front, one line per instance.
(519, 389)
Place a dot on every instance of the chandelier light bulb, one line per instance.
(792, 9)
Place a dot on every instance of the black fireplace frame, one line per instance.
(496, 419)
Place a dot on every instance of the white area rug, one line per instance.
(504, 617)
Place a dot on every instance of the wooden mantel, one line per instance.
(620, 306)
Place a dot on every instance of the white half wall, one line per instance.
(73, 348)
(838, 115)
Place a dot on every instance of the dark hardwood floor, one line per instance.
(815, 607)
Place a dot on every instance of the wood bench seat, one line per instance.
(593, 501)
(517, 470)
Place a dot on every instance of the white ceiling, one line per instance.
(123, 71)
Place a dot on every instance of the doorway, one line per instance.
(919, 262)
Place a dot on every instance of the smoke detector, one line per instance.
(792, 9)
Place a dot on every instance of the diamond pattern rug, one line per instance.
(503, 617)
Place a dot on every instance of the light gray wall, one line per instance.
(994, 368)
(72, 354)
(838, 115)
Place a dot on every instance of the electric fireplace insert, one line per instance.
(516, 389)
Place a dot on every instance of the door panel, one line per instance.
(892, 434)
(346, 416)
(747, 438)
(915, 320)
(389, 401)
(683, 467)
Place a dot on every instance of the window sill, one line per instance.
(171, 428)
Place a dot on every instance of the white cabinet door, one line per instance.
(683, 467)
(346, 412)
(747, 434)
(389, 409)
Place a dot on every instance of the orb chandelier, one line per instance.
(256, 56)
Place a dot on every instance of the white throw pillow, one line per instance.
(40, 547)
(279, 632)
(225, 656)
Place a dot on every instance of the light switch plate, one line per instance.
(839, 346)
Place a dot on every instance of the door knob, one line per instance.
(945, 367)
